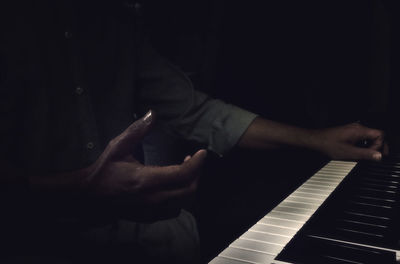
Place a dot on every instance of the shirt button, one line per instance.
(78, 90)
(68, 34)
(90, 145)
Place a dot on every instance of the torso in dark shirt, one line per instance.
(67, 84)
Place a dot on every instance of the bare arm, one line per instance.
(337, 143)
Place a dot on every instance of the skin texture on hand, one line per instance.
(342, 142)
(152, 192)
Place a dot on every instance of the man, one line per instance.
(73, 77)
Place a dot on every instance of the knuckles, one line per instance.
(113, 143)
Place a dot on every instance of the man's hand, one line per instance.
(115, 183)
(345, 142)
(338, 142)
(147, 192)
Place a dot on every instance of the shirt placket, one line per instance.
(85, 113)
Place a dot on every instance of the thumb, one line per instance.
(194, 163)
(131, 136)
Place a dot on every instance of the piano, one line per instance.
(347, 212)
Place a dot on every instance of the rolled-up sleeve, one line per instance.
(185, 112)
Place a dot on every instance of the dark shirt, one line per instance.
(66, 66)
(75, 74)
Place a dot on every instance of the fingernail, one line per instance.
(148, 117)
(203, 152)
(377, 156)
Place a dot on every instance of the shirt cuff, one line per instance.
(229, 128)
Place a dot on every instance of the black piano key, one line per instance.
(381, 181)
(377, 194)
(358, 223)
(363, 223)
(355, 232)
(365, 218)
(364, 209)
(380, 186)
(368, 209)
(379, 201)
(382, 173)
(312, 249)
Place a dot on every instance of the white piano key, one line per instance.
(297, 199)
(342, 163)
(340, 169)
(269, 220)
(325, 180)
(319, 180)
(333, 173)
(246, 255)
(263, 237)
(299, 205)
(288, 216)
(318, 187)
(296, 211)
(327, 177)
(263, 247)
(331, 170)
(307, 189)
(309, 195)
(322, 183)
(337, 178)
(222, 260)
(275, 230)
(330, 175)
(337, 169)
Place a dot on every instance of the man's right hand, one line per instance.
(149, 192)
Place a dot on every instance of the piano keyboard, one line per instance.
(267, 239)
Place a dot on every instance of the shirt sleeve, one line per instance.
(185, 112)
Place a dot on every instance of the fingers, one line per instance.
(175, 197)
(188, 157)
(176, 175)
(171, 188)
(376, 136)
(363, 154)
(385, 149)
(194, 163)
(123, 143)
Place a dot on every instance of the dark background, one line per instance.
(309, 63)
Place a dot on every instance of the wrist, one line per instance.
(314, 140)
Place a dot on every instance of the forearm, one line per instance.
(267, 134)
(337, 142)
